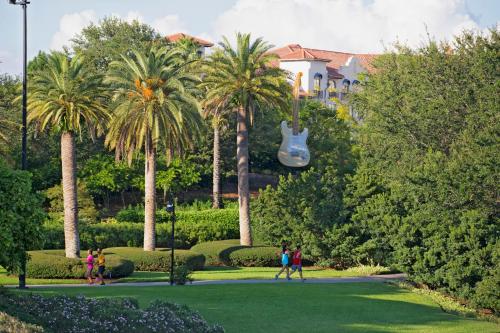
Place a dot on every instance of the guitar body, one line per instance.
(293, 150)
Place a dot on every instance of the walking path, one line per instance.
(373, 278)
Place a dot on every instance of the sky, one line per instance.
(361, 26)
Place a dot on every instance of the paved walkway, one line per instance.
(373, 278)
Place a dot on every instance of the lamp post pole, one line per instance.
(24, 165)
(171, 209)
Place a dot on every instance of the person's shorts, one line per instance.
(88, 273)
(297, 267)
(101, 270)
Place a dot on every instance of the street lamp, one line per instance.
(24, 5)
(170, 208)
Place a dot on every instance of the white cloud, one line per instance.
(133, 16)
(345, 25)
(10, 63)
(168, 25)
(71, 25)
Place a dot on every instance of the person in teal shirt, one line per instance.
(284, 263)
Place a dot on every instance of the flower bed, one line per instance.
(79, 314)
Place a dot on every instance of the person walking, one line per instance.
(297, 262)
(101, 267)
(284, 262)
(90, 267)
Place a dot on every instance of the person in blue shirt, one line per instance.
(284, 257)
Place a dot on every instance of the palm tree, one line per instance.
(243, 76)
(154, 103)
(217, 112)
(66, 98)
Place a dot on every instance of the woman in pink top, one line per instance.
(90, 266)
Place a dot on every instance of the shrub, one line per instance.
(159, 260)
(53, 264)
(182, 274)
(257, 256)
(216, 252)
(86, 207)
(11, 324)
(230, 253)
(191, 227)
(80, 314)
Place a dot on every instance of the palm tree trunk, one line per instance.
(243, 186)
(68, 161)
(150, 196)
(216, 173)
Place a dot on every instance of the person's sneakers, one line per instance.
(303, 280)
(288, 278)
(276, 277)
(102, 283)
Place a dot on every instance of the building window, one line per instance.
(317, 82)
(332, 88)
(355, 85)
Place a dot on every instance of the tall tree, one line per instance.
(216, 112)
(154, 103)
(65, 97)
(244, 76)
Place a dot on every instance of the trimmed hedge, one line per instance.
(257, 256)
(191, 227)
(159, 260)
(216, 253)
(53, 264)
(230, 253)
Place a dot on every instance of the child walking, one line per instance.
(90, 266)
(284, 263)
(101, 267)
(297, 263)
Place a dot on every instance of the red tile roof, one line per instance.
(335, 59)
(175, 37)
(302, 54)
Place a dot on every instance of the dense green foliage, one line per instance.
(21, 216)
(52, 264)
(106, 41)
(304, 208)
(87, 211)
(78, 314)
(159, 260)
(426, 193)
(191, 227)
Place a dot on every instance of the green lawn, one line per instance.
(245, 273)
(211, 273)
(296, 307)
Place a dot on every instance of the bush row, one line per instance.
(191, 227)
(159, 260)
(54, 265)
(230, 253)
(79, 314)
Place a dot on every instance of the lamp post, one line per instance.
(171, 209)
(24, 166)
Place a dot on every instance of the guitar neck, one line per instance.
(295, 117)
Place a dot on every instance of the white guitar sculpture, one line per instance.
(293, 150)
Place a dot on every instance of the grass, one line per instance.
(245, 273)
(6, 279)
(295, 307)
(214, 273)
